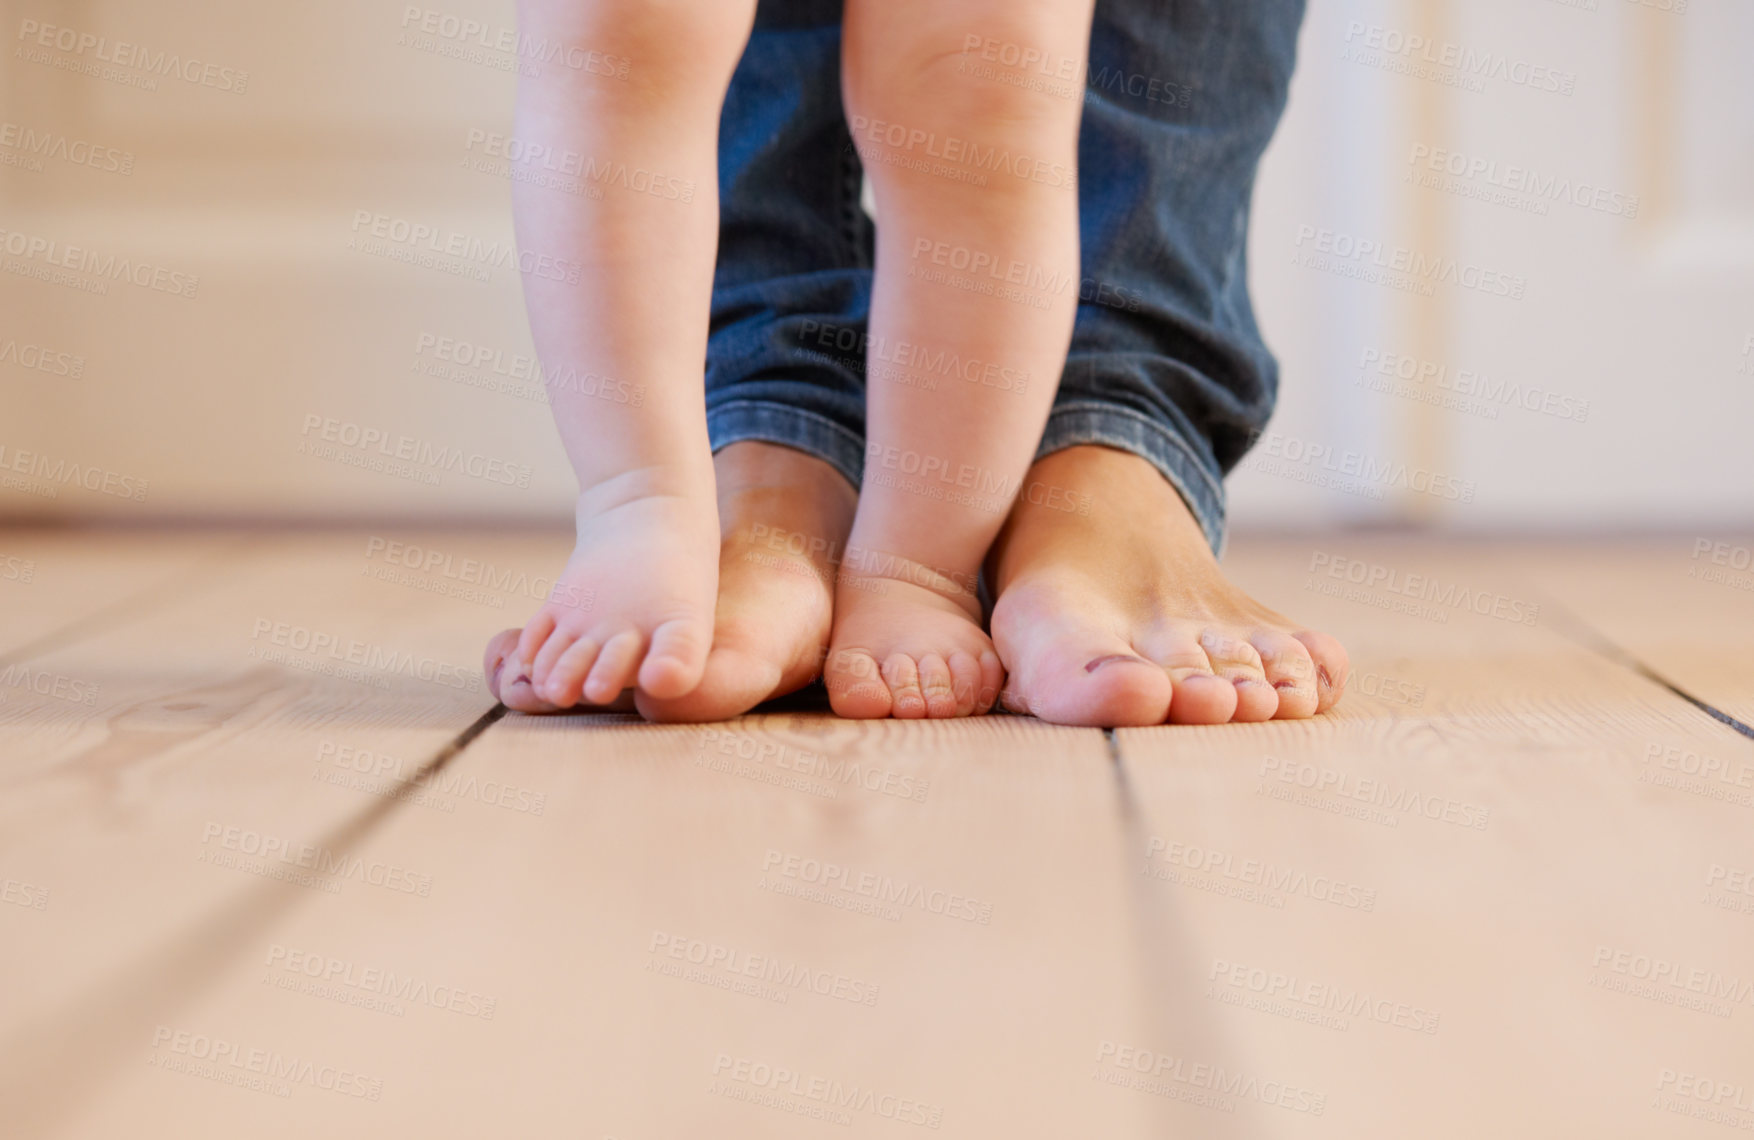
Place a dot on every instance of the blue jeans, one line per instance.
(1166, 361)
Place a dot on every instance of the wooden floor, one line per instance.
(271, 865)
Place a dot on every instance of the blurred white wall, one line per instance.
(190, 278)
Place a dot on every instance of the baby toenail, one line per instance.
(1322, 673)
(1113, 657)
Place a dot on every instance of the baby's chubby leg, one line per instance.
(618, 269)
(966, 114)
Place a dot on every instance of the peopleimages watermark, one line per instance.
(434, 571)
(38, 358)
(369, 987)
(570, 171)
(1699, 774)
(964, 160)
(379, 773)
(815, 772)
(823, 1098)
(1248, 879)
(392, 453)
(1729, 888)
(1345, 789)
(470, 40)
(1508, 184)
(1670, 983)
(847, 888)
(276, 857)
(721, 965)
(1352, 472)
(36, 473)
(16, 569)
(349, 658)
(484, 366)
(1398, 266)
(1712, 1099)
(15, 892)
(430, 246)
(100, 57)
(982, 272)
(1322, 1004)
(1746, 365)
(1390, 582)
(85, 270)
(56, 686)
(1422, 57)
(1722, 564)
(1195, 1082)
(260, 1070)
(1461, 390)
(906, 362)
(27, 148)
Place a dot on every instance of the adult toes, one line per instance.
(902, 673)
(1290, 670)
(856, 688)
(1090, 680)
(1236, 660)
(1331, 665)
(1199, 695)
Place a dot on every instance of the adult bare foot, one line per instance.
(1121, 615)
(783, 518)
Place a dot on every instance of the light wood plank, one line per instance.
(123, 817)
(990, 1020)
(1498, 864)
(50, 580)
(1683, 606)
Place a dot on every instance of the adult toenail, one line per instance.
(1285, 684)
(1113, 657)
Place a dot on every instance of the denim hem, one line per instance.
(1070, 425)
(737, 420)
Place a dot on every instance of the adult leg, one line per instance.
(1111, 606)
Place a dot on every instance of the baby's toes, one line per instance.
(902, 674)
(548, 656)
(615, 666)
(508, 678)
(676, 661)
(938, 684)
(567, 678)
(856, 689)
(965, 682)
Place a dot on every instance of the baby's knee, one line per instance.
(948, 89)
(651, 39)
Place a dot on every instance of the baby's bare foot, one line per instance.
(907, 642)
(634, 603)
(1122, 616)
(784, 518)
